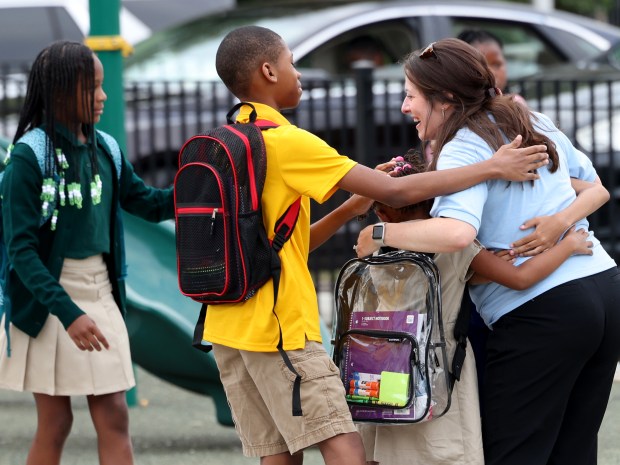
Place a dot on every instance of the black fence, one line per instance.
(360, 116)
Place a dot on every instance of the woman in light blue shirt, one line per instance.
(553, 348)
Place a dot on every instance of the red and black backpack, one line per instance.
(223, 252)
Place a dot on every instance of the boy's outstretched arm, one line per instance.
(590, 197)
(510, 162)
(355, 206)
(326, 227)
(491, 267)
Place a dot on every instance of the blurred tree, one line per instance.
(595, 8)
(603, 10)
(599, 9)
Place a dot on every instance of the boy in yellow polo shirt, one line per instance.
(257, 66)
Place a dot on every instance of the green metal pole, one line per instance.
(105, 40)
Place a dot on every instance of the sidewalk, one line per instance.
(174, 426)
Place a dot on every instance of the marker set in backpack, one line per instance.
(388, 339)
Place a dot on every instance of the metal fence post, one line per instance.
(364, 115)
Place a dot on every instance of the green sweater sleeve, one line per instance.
(149, 203)
(21, 215)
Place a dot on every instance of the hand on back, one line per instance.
(520, 164)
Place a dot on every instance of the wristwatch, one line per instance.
(378, 234)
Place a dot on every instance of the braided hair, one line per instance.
(60, 73)
(411, 163)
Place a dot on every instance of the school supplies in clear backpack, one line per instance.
(388, 339)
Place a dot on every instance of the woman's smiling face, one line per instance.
(428, 118)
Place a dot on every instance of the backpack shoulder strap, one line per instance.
(284, 229)
(36, 139)
(285, 225)
(461, 329)
(114, 150)
(265, 124)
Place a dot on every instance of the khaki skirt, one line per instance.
(51, 363)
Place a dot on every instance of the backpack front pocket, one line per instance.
(202, 269)
(378, 368)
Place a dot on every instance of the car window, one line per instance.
(188, 51)
(582, 47)
(44, 25)
(614, 56)
(525, 51)
(384, 44)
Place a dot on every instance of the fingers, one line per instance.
(86, 335)
(540, 150)
(537, 159)
(523, 246)
(516, 142)
(92, 341)
(531, 223)
(100, 339)
(532, 252)
(583, 235)
(502, 253)
(506, 255)
(386, 167)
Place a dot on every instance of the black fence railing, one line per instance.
(361, 118)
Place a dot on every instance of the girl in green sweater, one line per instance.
(62, 192)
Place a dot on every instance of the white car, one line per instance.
(27, 26)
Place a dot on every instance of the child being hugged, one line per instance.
(258, 67)
(62, 192)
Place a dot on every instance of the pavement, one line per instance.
(173, 426)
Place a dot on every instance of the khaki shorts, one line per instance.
(259, 388)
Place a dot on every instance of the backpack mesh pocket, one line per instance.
(205, 219)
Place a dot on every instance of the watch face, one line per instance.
(377, 231)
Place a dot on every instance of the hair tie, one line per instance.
(492, 92)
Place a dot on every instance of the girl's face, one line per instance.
(428, 118)
(96, 97)
(495, 58)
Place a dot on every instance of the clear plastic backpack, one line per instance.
(388, 339)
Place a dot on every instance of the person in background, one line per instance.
(366, 49)
(492, 47)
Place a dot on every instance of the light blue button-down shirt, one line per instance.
(496, 209)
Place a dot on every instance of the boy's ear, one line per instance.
(269, 72)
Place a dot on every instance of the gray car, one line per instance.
(179, 63)
(319, 35)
